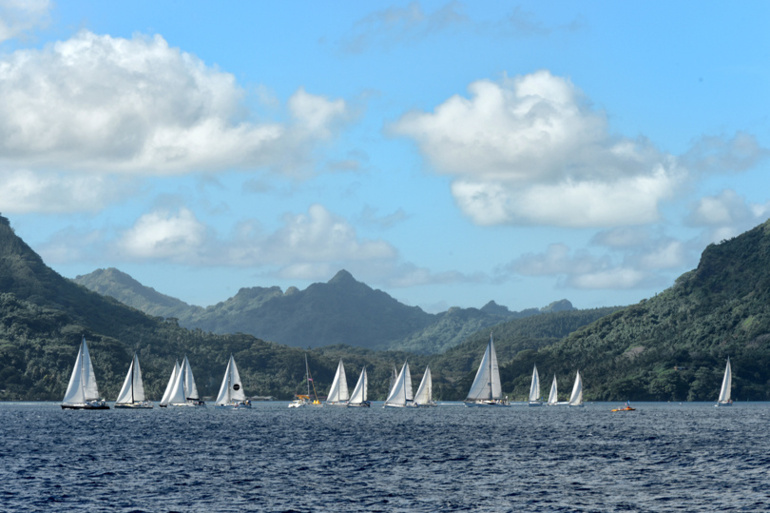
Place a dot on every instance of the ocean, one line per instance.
(662, 457)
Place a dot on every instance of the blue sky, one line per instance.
(448, 153)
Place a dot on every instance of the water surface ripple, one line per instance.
(663, 457)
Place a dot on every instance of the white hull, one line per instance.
(94, 405)
(486, 404)
(144, 405)
(366, 404)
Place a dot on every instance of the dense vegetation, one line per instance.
(674, 346)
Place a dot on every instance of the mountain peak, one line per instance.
(343, 277)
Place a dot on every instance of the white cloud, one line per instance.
(18, 17)
(55, 193)
(635, 264)
(140, 105)
(726, 215)
(713, 154)
(178, 237)
(530, 150)
(396, 25)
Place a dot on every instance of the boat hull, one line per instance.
(365, 404)
(98, 406)
(486, 404)
(133, 406)
(535, 403)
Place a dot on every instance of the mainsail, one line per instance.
(424, 394)
(576, 398)
(534, 388)
(184, 388)
(231, 390)
(338, 394)
(727, 383)
(359, 395)
(401, 392)
(132, 391)
(486, 384)
(553, 397)
(82, 385)
(170, 387)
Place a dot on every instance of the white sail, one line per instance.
(398, 393)
(534, 388)
(727, 383)
(359, 394)
(576, 398)
(486, 385)
(170, 387)
(190, 390)
(424, 394)
(231, 390)
(553, 397)
(408, 384)
(132, 391)
(82, 385)
(184, 388)
(338, 394)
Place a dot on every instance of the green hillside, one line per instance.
(673, 347)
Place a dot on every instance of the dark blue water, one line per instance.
(690, 457)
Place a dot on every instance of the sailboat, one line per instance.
(553, 397)
(132, 393)
(304, 400)
(359, 396)
(576, 397)
(170, 387)
(401, 392)
(486, 389)
(534, 389)
(82, 392)
(727, 384)
(338, 394)
(184, 392)
(231, 393)
(423, 398)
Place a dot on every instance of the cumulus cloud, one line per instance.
(307, 245)
(19, 17)
(56, 193)
(139, 105)
(174, 236)
(530, 150)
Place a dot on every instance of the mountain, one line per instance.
(674, 346)
(341, 311)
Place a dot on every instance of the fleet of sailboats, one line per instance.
(727, 384)
(231, 394)
(132, 393)
(181, 390)
(82, 392)
(486, 389)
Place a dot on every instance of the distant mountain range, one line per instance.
(341, 311)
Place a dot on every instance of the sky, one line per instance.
(447, 153)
